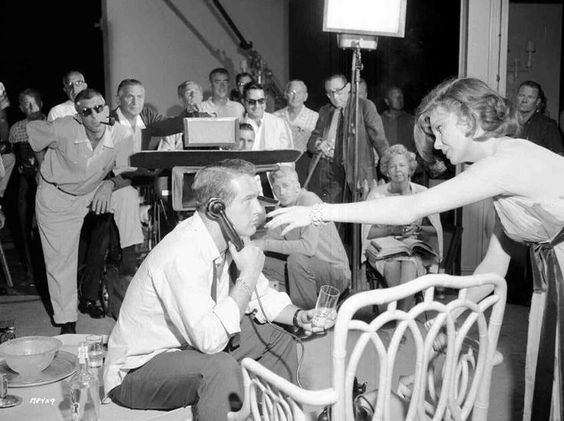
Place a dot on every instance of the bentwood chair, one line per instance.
(454, 352)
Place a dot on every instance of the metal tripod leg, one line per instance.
(5, 268)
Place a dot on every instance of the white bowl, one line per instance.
(31, 354)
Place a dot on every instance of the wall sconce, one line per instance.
(516, 67)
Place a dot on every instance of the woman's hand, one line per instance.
(293, 217)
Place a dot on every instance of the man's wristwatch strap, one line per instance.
(295, 318)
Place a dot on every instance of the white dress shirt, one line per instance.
(62, 110)
(135, 132)
(168, 303)
(271, 133)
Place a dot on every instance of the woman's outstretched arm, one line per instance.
(461, 190)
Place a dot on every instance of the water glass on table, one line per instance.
(326, 306)
(95, 351)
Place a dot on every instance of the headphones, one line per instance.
(215, 208)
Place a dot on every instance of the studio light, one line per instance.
(366, 19)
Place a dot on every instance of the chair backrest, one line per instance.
(450, 384)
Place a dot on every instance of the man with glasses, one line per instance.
(73, 83)
(332, 143)
(76, 153)
(271, 132)
(219, 104)
(301, 120)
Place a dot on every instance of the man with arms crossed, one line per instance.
(316, 255)
(172, 345)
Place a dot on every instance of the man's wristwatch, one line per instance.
(295, 318)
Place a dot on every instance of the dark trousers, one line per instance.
(307, 274)
(211, 382)
(327, 181)
(95, 240)
(26, 209)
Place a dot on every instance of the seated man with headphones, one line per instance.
(187, 319)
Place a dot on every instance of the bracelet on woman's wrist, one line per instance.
(317, 218)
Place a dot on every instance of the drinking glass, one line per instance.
(95, 351)
(326, 306)
(7, 401)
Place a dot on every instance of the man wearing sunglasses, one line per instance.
(332, 143)
(271, 132)
(76, 153)
(73, 84)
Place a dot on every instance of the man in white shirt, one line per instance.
(271, 132)
(73, 84)
(219, 104)
(175, 341)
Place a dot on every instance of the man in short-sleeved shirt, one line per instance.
(299, 117)
(76, 154)
(219, 104)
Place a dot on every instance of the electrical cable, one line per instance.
(294, 337)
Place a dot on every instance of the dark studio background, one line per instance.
(41, 40)
(426, 56)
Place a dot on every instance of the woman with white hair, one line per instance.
(398, 165)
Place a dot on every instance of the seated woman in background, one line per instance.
(398, 165)
(471, 123)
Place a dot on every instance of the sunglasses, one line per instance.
(86, 111)
(255, 101)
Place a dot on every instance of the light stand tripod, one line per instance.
(359, 27)
(356, 68)
(356, 44)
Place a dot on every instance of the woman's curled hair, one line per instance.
(475, 103)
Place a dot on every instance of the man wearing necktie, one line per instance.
(332, 143)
